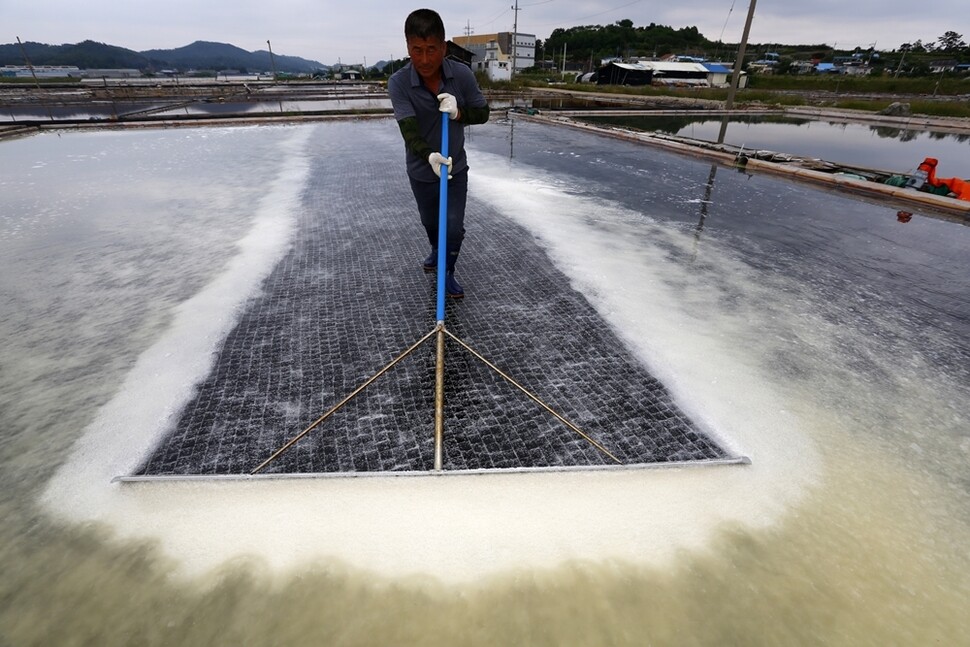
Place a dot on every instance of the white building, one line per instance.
(674, 73)
(524, 51)
(112, 73)
(495, 70)
(495, 65)
(501, 47)
(41, 71)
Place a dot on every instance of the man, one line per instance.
(420, 91)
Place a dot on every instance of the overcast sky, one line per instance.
(357, 30)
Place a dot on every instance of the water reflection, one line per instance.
(706, 200)
(874, 147)
(709, 185)
(902, 134)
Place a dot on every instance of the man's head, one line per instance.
(424, 23)
(425, 34)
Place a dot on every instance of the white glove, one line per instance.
(448, 103)
(437, 160)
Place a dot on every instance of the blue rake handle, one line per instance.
(443, 221)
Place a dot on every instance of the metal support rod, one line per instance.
(533, 397)
(337, 407)
(439, 388)
(439, 400)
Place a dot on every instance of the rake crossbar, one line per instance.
(440, 331)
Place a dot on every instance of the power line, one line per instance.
(721, 37)
(559, 23)
(622, 6)
(486, 24)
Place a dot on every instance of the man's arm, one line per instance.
(473, 115)
(473, 107)
(412, 137)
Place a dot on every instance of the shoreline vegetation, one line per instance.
(938, 97)
(948, 96)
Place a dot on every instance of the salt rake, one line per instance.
(439, 332)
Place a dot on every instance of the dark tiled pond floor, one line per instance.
(350, 296)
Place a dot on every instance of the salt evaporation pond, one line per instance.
(816, 333)
(878, 147)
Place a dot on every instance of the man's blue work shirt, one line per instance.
(410, 98)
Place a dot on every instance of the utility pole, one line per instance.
(272, 60)
(939, 78)
(736, 77)
(468, 33)
(515, 30)
(30, 67)
(900, 66)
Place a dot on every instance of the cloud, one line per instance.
(373, 29)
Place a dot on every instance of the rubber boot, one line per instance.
(431, 263)
(452, 288)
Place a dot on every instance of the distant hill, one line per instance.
(200, 55)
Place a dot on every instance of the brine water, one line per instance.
(818, 334)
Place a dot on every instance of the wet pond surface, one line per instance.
(811, 331)
(876, 147)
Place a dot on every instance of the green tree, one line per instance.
(623, 38)
(951, 42)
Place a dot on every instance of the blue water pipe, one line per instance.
(443, 221)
